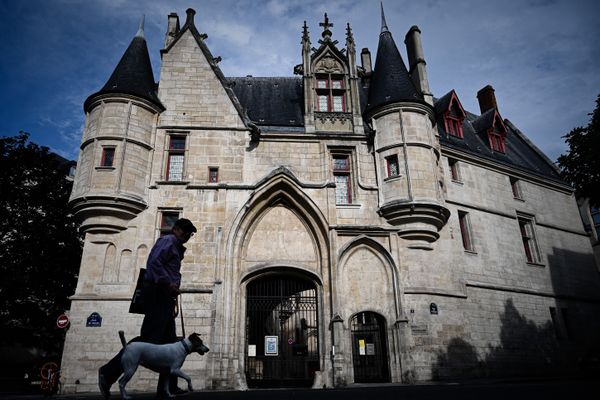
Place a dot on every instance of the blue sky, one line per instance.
(541, 56)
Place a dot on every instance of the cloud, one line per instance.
(541, 56)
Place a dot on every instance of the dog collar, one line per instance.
(186, 347)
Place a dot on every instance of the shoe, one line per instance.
(178, 391)
(174, 392)
(103, 385)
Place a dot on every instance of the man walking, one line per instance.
(160, 289)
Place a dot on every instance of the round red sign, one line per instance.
(62, 321)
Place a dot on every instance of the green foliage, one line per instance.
(40, 247)
(581, 165)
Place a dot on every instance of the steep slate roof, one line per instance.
(133, 75)
(484, 121)
(520, 152)
(271, 101)
(390, 82)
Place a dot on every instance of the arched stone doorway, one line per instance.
(282, 335)
(369, 348)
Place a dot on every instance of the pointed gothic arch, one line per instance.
(378, 253)
(279, 189)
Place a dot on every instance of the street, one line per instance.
(562, 389)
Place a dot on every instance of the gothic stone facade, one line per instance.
(352, 228)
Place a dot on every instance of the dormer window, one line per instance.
(454, 117)
(496, 136)
(454, 121)
(330, 93)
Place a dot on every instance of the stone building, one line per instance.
(352, 227)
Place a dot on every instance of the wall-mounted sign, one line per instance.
(251, 350)
(271, 346)
(361, 347)
(94, 320)
(419, 330)
(62, 321)
(433, 309)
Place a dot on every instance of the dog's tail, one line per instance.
(122, 336)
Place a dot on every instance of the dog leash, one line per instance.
(179, 311)
(180, 301)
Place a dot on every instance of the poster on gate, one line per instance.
(271, 346)
(361, 347)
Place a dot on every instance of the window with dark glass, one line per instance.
(213, 174)
(392, 166)
(108, 157)
(175, 158)
(595, 213)
(167, 220)
(528, 238)
(342, 175)
(515, 186)
(330, 93)
(454, 169)
(465, 230)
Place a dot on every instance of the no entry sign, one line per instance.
(62, 321)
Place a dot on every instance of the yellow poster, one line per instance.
(361, 347)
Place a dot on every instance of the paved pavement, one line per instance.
(548, 389)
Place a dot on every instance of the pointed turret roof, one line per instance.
(391, 81)
(133, 75)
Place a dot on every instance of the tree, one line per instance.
(581, 165)
(40, 247)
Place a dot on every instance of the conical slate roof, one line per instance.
(391, 82)
(133, 75)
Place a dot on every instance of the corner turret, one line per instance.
(406, 147)
(110, 186)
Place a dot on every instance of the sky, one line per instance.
(541, 56)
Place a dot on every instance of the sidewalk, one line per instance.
(546, 388)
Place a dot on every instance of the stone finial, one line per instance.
(326, 25)
(384, 27)
(190, 16)
(349, 36)
(305, 35)
(140, 32)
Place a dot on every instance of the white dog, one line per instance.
(159, 358)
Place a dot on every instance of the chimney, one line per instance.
(365, 59)
(416, 61)
(487, 99)
(172, 29)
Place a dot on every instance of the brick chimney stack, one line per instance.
(487, 99)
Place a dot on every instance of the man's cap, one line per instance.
(185, 225)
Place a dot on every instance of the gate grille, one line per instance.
(369, 349)
(286, 308)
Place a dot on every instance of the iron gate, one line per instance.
(282, 336)
(369, 349)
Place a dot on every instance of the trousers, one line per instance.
(158, 327)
